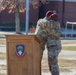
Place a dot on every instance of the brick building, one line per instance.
(65, 9)
(5, 17)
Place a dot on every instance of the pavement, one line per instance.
(70, 73)
(3, 48)
(71, 55)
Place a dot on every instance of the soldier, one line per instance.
(41, 32)
(48, 31)
(54, 45)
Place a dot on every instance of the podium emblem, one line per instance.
(20, 50)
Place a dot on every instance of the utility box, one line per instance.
(23, 55)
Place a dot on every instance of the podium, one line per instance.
(23, 55)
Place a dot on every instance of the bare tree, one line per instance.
(17, 6)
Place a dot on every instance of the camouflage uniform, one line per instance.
(49, 33)
(54, 47)
(41, 32)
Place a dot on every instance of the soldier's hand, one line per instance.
(32, 29)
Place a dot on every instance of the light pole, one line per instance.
(27, 16)
(63, 12)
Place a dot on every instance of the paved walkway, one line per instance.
(69, 45)
(63, 54)
(3, 48)
(70, 55)
(70, 73)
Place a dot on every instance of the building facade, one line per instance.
(65, 9)
(6, 17)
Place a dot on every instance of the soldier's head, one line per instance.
(54, 16)
(48, 14)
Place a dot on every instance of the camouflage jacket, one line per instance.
(48, 31)
(41, 29)
(54, 34)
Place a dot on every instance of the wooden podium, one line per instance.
(23, 55)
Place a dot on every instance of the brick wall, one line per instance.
(69, 13)
(5, 17)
